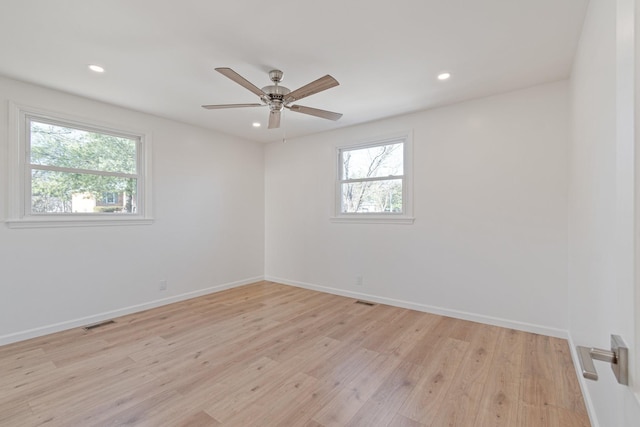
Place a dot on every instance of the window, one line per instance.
(110, 198)
(76, 173)
(373, 182)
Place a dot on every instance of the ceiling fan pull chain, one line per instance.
(284, 131)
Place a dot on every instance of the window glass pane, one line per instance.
(110, 198)
(372, 196)
(61, 192)
(371, 162)
(54, 145)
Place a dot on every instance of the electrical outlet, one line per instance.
(359, 281)
(163, 285)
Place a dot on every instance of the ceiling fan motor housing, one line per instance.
(274, 93)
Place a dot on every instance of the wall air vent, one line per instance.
(365, 303)
(97, 325)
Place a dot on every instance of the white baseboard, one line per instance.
(495, 321)
(69, 324)
(591, 410)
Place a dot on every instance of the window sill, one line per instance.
(75, 222)
(360, 219)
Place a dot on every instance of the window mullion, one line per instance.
(81, 171)
(378, 178)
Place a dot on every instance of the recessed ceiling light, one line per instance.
(256, 124)
(444, 76)
(96, 68)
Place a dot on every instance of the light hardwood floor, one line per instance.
(273, 355)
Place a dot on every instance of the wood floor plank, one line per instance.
(343, 365)
(141, 413)
(23, 361)
(99, 406)
(233, 405)
(357, 391)
(308, 404)
(400, 421)
(267, 354)
(566, 384)
(400, 334)
(200, 419)
(61, 379)
(383, 405)
(16, 412)
(499, 403)
(85, 393)
(462, 401)
(425, 400)
(538, 385)
(259, 410)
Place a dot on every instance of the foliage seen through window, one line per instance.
(371, 179)
(73, 169)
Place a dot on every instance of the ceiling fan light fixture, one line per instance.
(444, 76)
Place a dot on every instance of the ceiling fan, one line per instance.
(277, 97)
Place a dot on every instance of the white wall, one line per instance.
(601, 207)
(489, 241)
(208, 196)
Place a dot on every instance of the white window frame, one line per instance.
(406, 216)
(19, 203)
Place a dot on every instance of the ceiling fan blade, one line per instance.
(315, 112)
(228, 72)
(216, 107)
(323, 83)
(274, 120)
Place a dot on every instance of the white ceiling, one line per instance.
(160, 55)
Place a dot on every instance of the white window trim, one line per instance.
(17, 216)
(406, 217)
